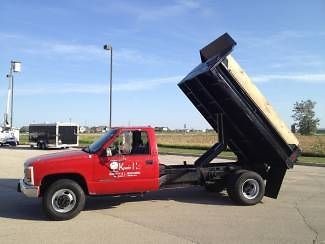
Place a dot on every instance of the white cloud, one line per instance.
(47, 48)
(150, 12)
(97, 88)
(298, 60)
(68, 50)
(277, 40)
(191, 4)
(127, 55)
(147, 84)
(306, 78)
(167, 11)
(79, 51)
(75, 49)
(6, 36)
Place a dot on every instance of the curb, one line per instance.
(311, 164)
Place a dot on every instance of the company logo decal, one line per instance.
(124, 169)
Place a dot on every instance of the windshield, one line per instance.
(95, 146)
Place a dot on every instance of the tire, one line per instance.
(43, 146)
(246, 188)
(63, 200)
(218, 186)
(231, 180)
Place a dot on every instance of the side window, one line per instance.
(122, 144)
(140, 143)
(131, 142)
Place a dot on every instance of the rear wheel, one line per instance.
(63, 200)
(41, 145)
(246, 188)
(13, 144)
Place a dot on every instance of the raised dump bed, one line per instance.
(245, 121)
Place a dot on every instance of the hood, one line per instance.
(57, 157)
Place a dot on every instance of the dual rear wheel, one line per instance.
(243, 186)
(246, 187)
(42, 145)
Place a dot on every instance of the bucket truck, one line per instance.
(8, 134)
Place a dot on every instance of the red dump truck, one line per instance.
(125, 159)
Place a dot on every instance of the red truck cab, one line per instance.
(124, 160)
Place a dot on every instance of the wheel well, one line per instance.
(49, 179)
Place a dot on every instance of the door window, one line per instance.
(131, 143)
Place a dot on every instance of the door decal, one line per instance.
(124, 169)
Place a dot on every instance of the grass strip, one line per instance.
(228, 154)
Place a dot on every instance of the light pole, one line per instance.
(110, 48)
(15, 66)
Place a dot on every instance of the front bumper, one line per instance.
(28, 190)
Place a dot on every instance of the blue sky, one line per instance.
(155, 44)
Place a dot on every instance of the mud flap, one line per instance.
(274, 180)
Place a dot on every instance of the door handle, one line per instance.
(150, 161)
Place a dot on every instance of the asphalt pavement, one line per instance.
(184, 215)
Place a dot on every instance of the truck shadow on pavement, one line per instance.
(193, 195)
(14, 205)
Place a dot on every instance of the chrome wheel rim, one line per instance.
(250, 188)
(64, 200)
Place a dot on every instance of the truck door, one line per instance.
(129, 166)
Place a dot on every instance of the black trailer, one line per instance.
(246, 124)
(55, 135)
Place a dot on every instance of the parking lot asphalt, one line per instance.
(184, 215)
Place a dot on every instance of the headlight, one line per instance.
(29, 175)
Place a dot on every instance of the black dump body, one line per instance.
(241, 125)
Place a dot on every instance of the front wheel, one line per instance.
(63, 200)
(246, 188)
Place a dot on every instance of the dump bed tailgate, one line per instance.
(251, 127)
